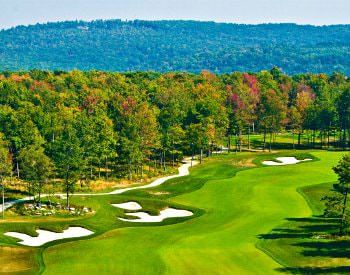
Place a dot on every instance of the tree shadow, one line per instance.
(307, 228)
(314, 219)
(331, 249)
(311, 235)
(315, 270)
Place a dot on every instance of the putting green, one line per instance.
(238, 209)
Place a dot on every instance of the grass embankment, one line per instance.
(234, 206)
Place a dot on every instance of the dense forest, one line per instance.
(165, 46)
(66, 124)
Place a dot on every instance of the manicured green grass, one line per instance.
(235, 207)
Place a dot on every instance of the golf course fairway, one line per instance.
(239, 202)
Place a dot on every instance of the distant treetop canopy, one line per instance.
(164, 46)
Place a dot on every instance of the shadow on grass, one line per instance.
(303, 228)
(309, 237)
(332, 249)
(316, 270)
(279, 145)
(314, 219)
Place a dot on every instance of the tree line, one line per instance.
(78, 125)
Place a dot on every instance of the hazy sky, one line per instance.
(316, 12)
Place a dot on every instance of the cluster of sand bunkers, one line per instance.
(45, 236)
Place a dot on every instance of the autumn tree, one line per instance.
(242, 97)
(271, 113)
(303, 100)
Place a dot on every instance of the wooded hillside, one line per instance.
(165, 46)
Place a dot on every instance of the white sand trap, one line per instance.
(166, 213)
(45, 236)
(131, 205)
(284, 161)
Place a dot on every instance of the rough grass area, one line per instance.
(17, 260)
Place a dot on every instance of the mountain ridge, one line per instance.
(176, 45)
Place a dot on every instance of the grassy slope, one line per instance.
(222, 241)
(295, 242)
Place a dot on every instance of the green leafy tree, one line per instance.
(68, 155)
(36, 168)
(5, 166)
(343, 108)
(343, 172)
(294, 121)
(336, 203)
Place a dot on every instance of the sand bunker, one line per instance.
(45, 236)
(131, 205)
(284, 161)
(166, 213)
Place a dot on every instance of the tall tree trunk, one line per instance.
(17, 168)
(313, 138)
(335, 138)
(3, 197)
(39, 192)
(173, 154)
(149, 163)
(249, 137)
(67, 185)
(328, 137)
(106, 167)
(229, 143)
(173, 158)
(270, 143)
(161, 160)
(342, 221)
(264, 143)
(299, 138)
(240, 140)
(236, 141)
(130, 169)
(164, 164)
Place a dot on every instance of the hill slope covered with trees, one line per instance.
(191, 46)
